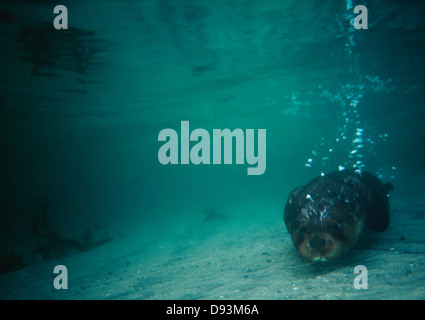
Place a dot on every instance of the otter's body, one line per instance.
(326, 216)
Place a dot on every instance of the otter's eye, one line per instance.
(335, 227)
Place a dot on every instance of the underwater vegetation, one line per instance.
(49, 243)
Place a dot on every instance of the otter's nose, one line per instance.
(317, 242)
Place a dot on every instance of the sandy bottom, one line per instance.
(220, 260)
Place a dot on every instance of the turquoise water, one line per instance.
(81, 110)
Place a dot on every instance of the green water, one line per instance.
(81, 109)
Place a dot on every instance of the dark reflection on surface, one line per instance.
(49, 50)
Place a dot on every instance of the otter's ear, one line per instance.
(293, 197)
(291, 208)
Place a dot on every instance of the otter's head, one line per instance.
(325, 235)
(324, 218)
(323, 231)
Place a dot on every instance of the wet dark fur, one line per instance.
(326, 216)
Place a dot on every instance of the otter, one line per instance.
(326, 216)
